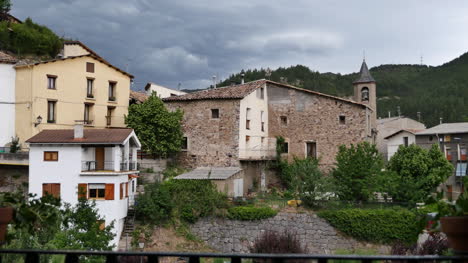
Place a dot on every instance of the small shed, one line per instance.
(229, 180)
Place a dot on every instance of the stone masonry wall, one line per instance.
(314, 233)
(314, 118)
(211, 142)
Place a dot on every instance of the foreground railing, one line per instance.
(33, 256)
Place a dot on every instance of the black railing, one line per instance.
(33, 256)
(124, 166)
(97, 166)
(132, 166)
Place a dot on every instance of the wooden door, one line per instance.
(100, 158)
(238, 187)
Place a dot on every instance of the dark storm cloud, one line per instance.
(168, 42)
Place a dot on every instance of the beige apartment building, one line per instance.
(80, 86)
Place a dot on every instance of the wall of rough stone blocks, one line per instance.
(314, 118)
(212, 142)
(314, 233)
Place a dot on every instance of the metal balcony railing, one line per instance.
(34, 256)
(132, 166)
(95, 166)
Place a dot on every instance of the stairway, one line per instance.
(129, 226)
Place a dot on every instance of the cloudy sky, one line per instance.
(187, 42)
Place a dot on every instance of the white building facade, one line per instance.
(7, 98)
(162, 92)
(402, 137)
(99, 165)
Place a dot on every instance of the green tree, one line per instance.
(358, 168)
(5, 6)
(158, 129)
(417, 172)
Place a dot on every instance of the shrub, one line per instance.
(250, 213)
(436, 244)
(277, 243)
(375, 225)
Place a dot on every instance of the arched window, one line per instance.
(365, 94)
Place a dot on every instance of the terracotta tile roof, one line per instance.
(8, 59)
(138, 96)
(91, 136)
(230, 92)
(79, 43)
(242, 90)
(73, 57)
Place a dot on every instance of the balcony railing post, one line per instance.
(71, 258)
(322, 260)
(32, 257)
(153, 259)
(194, 259)
(111, 259)
(236, 260)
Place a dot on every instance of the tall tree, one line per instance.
(5, 7)
(158, 129)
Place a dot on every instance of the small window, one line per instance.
(405, 141)
(51, 156)
(133, 186)
(51, 111)
(462, 152)
(262, 119)
(247, 124)
(51, 82)
(89, 88)
(185, 144)
(215, 113)
(97, 191)
(112, 85)
(110, 113)
(284, 120)
(311, 150)
(448, 153)
(90, 67)
(284, 148)
(87, 114)
(365, 94)
(51, 189)
(342, 119)
(260, 93)
(247, 138)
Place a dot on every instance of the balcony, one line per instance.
(128, 166)
(34, 256)
(18, 158)
(108, 120)
(97, 166)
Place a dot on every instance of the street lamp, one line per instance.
(141, 245)
(38, 121)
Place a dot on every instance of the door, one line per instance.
(100, 158)
(238, 187)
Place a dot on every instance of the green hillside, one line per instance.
(434, 91)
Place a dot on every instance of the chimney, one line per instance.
(78, 131)
(440, 119)
(242, 77)
(214, 81)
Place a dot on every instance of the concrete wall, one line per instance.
(7, 103)
(212, 142)
(14, 178)
(313, 118)
(32, 92)
(73, 50)
(314, 233)
(66, 171)
(395, 141)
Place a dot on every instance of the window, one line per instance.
(87, 114)
(263, 139)
(110, 112)
(462, 153)
(89, 89)
(121, 191)
(51, 111)
(448, 153)
(260, 93)
(405, 141)
(50, 156)
(284, 120)
(365, 94)
(461, 169)
(311, 150)
(247, 122)
(133, 186)
(51, 82)
(185, 144)
(284, 147)
(112, 90)
(90, 67)
(247, 138)
(215, 113)
(51, 189)
(97, 191)
(263, 121)
(342, 119)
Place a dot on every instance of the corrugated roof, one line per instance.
(364, 74)
(91, 136)
(212, 173)
(242, 90)
(6, 58)
(446, 128)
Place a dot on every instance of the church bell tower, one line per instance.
(365, 93)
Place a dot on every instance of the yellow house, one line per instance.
(80, 86)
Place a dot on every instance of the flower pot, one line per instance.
(456, 229)
(6, 215)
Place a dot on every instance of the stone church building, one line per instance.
(231, 132)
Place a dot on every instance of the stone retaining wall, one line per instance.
(314, 233)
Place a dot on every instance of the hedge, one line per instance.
(375, 225)
(250, 212)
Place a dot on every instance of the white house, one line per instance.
(161, 91)
(97, 164)
(402, 137)
(7, 98)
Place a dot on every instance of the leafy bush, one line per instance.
(186, 200)
(357, 171)
(277, 243)
(29, 38)
(250, 212)
(375, 225)
(436, 244)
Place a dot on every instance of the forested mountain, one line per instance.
(435, 92)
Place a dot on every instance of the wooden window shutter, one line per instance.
(89, 67)
(46, 189)
(56, 190)
(121, 191)
(109, 192)
(82, 191)
(126, 189)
